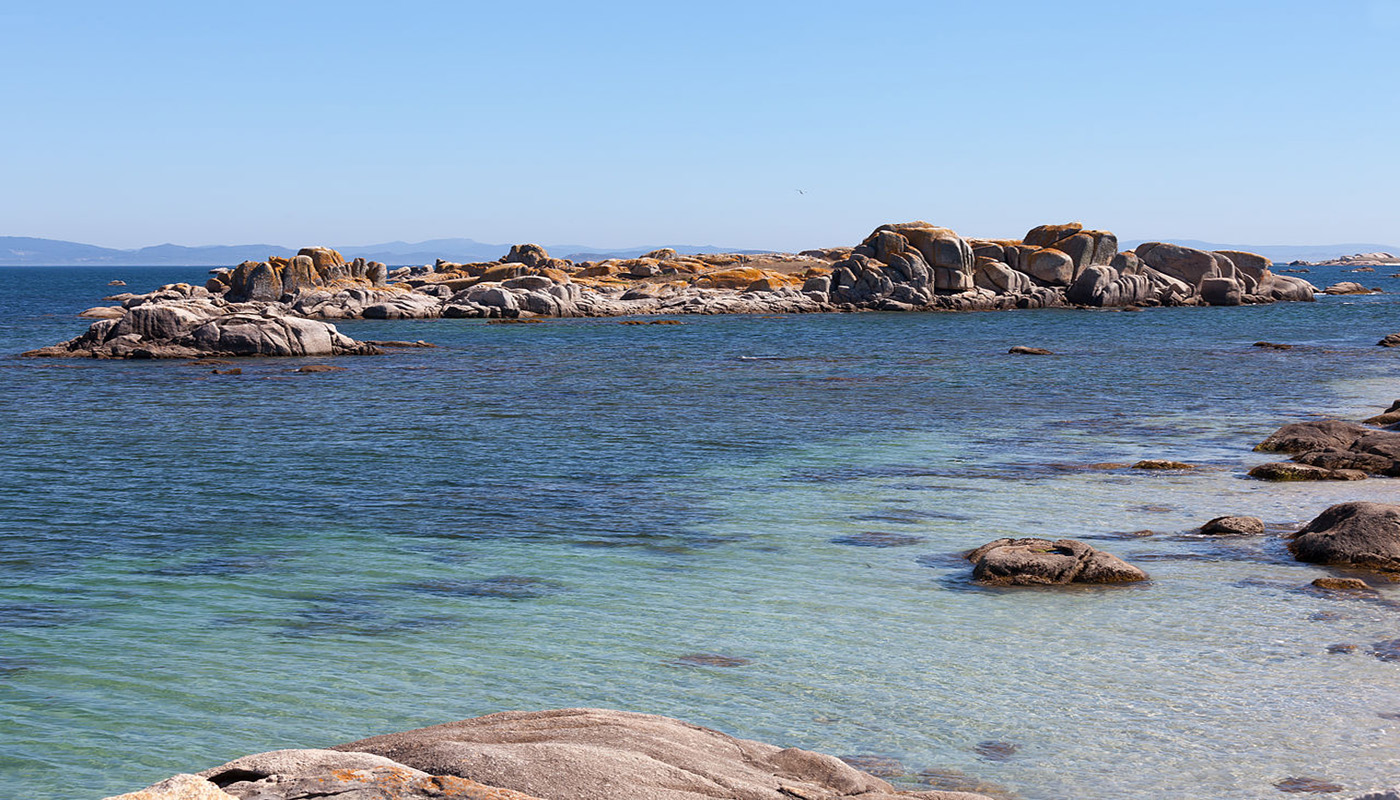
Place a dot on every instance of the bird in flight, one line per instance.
(799, 191)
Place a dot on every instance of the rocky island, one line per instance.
(287, 306)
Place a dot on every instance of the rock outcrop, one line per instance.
(183, 321)
(310, 268)
(1041, 562)
(1335, 445)
(908, 266)
(569, 754)
(1353, 535)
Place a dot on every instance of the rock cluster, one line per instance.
(310, 268)
(899, 267)
(1041, 562)
(569, 754)
(183, 321)
(1330, 449)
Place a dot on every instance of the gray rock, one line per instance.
(1233, 526)
(178, 787)
(593, 754)
(1351, 534)
(1222, 291)
(1041, 562)
(1304, 437)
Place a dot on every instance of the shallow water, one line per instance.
(582, 513)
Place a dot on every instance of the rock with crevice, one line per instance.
(1042, 562)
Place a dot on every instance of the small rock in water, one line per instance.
(1162, 464)
(877, 539)
(234, 371)
(1233, 526)
(1388, 651)
(309, 368)
(1307, 785)
(709, 660)
(396, 343)
(1341, 649)
(1393, 340)
(1022, 350)
(995, 751)
(1343, 585)
(1273, 346)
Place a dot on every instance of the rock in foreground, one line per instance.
(569, 754)
(1041, 562)
(1352, 534)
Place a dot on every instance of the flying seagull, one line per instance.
(799, 191)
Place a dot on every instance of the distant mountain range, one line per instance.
(21, 251)
(1280, 253)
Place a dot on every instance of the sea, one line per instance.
(753, 523)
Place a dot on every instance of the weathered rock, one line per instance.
(1031, 562)
(592, 754)
(1185, 264)
(1162, 464)
(1222, 291)
(1233, 526)
(1347, 287)
(531, 255)
(103, 312)
(1304, 437)
(179, 787)
(1022, 350)
(1342, 585)
(1289, 471)
(1351, 534)
(1391, 340)
(1386, 794)
(1050, 266)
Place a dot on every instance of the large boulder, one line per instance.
(1305, 437)
(1042, 562)
(594, 754)
(1352, 534)
(1186, 264)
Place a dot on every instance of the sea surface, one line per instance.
(751, 523)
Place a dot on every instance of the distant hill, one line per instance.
(1279, 253)
(20, 251)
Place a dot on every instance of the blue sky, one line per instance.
(618, 124)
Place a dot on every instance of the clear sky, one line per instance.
(620, 124)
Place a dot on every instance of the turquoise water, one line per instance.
(196, 566)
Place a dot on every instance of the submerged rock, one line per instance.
(1041, 562)
(1351, 534)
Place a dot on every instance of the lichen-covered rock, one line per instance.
(1289, 471)
(1351, 534)
(1042, 562)
(179, 787)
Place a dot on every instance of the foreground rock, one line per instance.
(569, 754)
(1041, 562)
(1353, 535)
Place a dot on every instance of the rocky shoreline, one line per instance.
(288, 306)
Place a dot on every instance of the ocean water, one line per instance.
(584, 513)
